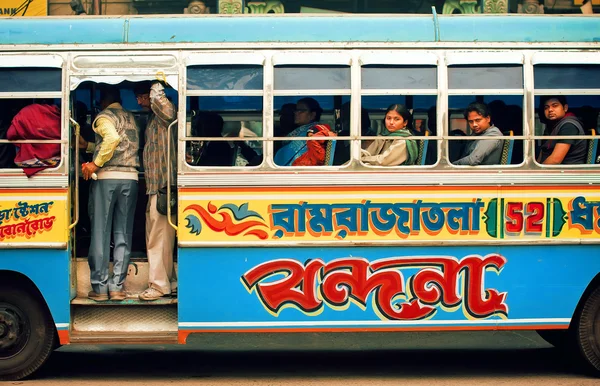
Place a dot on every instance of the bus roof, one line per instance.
(294, 28)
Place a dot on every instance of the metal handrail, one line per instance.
(76, 199)
(169, 176)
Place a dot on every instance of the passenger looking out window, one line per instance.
(560, 121)
(342, 148)
(305, 153)
(212, 153)
(392, 151)
(36, 121)
(481, 152)
(287, 123)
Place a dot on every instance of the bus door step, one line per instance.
(122, 320)
(87, 337)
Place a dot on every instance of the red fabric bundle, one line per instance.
(36, 122)
(315, 150)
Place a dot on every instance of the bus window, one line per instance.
(408, 91)
(30, 80)
(225, 106)
(34, 98)
(485, 103)
(567, 104)
(315, 95)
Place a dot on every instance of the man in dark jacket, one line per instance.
(559, 121)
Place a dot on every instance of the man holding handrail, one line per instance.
(114, 166)
(160, 236)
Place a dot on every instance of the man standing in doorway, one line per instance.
(113, 194)
(160, 236)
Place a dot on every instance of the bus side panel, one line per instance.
(383, 288)
(48, 269)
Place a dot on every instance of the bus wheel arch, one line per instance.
(588, 330)
(27, 331)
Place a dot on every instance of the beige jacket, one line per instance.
(384, 152)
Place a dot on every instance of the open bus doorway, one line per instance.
(85, 104)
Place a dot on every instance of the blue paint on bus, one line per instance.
(288, 29)
(48, 269)
(542, 283)
(62, 31)
(515, 28)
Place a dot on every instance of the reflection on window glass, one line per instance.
(215, 117)
(225, 78)
(481, 77)
(312, 77)
(390, 77)
(567, 115)
(30, 79)
(392, 117)
(567, 76)
(488, 116)
(306, 117)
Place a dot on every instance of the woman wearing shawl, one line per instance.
(305, 153)
(392, 151)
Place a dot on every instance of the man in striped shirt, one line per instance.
(160, 236)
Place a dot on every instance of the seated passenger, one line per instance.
(456, 147)
(36, 121)
(286, 124)
(589, 118)
(431, 156)
(246, 153)
(559, 121)
(305, 153)
(514, 120)
(342, 148)
(481, 152)
(394, 151)
(213, 153)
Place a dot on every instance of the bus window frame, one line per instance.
(560, 58)
(398, 58)
(49, 61)
(483, 58)
(312, 59)
(220, 58)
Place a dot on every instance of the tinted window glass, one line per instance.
(481, 77)
(30, 79)
(312, 77)
(567, 76)
(390, 77)
(225, 78)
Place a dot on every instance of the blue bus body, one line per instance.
(271, 280)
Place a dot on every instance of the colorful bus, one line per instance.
(346, 246)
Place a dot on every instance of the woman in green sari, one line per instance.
(392, 150)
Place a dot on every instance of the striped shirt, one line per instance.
(155, 150)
